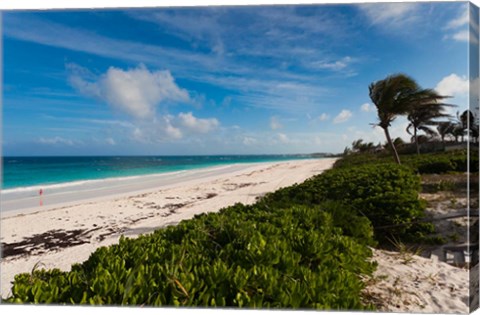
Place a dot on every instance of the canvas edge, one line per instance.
(473, 192)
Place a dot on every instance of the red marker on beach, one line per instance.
(40, 192)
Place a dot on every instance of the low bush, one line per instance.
(359, 159)
(434, 166)
(441, 163)
(386, 194)
(243, 256)
(429, 163)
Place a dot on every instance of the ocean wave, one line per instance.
(47, 186)
(87, 183)
(59, 186)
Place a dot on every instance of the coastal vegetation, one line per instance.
(296, 247)
(399, 95)
(243, 256)
(392, 97)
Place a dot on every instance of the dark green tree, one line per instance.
(426, 108)
(445, 128)
(360, 146)
(458, 131)
(392, 97)
(469, 125)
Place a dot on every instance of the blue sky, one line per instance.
(220, 80)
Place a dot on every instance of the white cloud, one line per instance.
(366, 107)
(137, 135)
(197, 125)
(464, 26)
(169, 127)
(394, 15)
(462, 36)
(283, 138)
(334, 65)
(323, 117)
(173, 132)
(398, 130)
(56, 140)
(461, 20)
(134, 91)
(82, 80)
(110, 141)
(274, 123)
(453, 85)
(343, 116)
(249, 141)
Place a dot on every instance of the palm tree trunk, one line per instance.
(392, 146)
(416, 139)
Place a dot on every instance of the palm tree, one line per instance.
(445, 128)
(392, 97)
(458, 131)
(466, 119)
(425, 108)
(398, 142)
(468, 123)
(360, 146)
(461, 125)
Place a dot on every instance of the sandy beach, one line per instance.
(404, 282)
(63, 232)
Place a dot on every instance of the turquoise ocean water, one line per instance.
(23, 172)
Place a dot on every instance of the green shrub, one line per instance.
(435, 166)
(386, 194)
(440, 163)
(243, 256)
(429, 163)
(359, 159)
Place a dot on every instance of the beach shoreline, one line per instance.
(27, 199)
(63, 234)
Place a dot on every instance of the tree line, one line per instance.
(400, 95)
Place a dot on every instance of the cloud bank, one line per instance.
(136, 92)
(453, 85)
(197, 125)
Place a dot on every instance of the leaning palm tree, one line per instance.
(426, 107)
(392, 97)
(360, 146)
